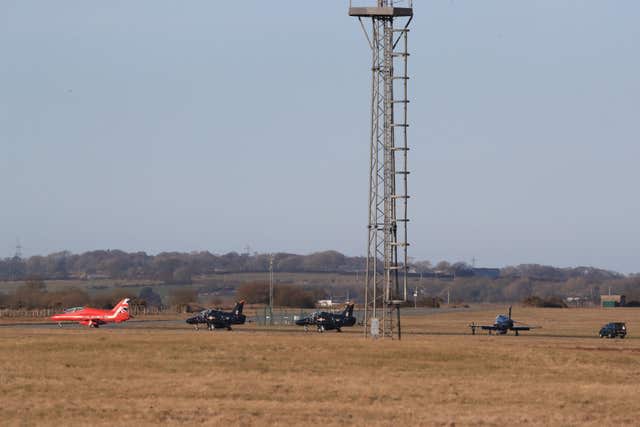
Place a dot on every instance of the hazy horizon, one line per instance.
(160, 126)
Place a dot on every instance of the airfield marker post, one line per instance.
(270, 290)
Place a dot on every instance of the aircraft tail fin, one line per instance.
(237, 310)
(348, 310)
(122, 308)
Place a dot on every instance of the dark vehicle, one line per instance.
(324, 321)
(613, 329)
(216, 319)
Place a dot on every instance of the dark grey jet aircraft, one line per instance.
(216, 319)
(324, 321)
(502, 325)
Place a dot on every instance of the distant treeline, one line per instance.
(168, 267)
(177, 267)
(33, 294)
(584, 291)
(459, 281)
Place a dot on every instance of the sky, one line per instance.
(156, 125)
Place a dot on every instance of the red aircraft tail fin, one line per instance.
(121, 310)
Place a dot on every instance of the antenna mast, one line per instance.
(386, 284)
(18, 254)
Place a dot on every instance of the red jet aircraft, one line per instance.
(93, 317)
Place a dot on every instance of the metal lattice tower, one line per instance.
(386, 275)
(18, 254)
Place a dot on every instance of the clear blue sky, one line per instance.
(167, 125)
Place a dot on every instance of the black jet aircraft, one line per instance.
(325, 321)
(502, 325)
(216, 319)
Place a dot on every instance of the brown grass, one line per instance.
(175, 377)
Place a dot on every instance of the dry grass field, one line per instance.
(437, 375)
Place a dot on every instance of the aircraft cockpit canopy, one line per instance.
(72, 309)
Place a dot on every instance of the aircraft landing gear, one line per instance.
(338, 330)
(306, 328)
(59, 324)
(210, 327)
(321, 328)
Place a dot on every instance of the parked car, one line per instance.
(613, 329)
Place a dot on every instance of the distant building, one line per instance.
(613, 300)
(491, 273)
(577, 301)
(444, 275)
(93, 276)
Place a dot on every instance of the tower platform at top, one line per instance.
(372, 12)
